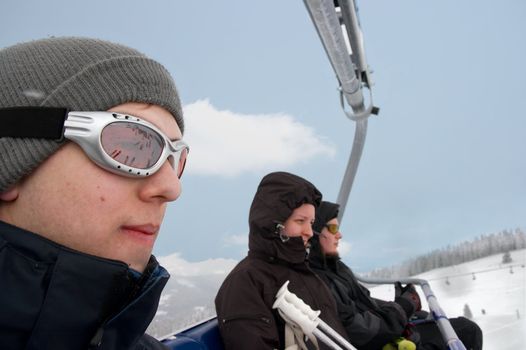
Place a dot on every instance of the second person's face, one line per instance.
(299, 224)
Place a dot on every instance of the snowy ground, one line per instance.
(494, 292)
(484, 284)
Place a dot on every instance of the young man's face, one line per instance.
(72, 201)
(329, 241)
(299, 224)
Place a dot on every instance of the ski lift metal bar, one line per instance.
(327, 23)
(448, 333)
(360, 133)
(349, 13)
(325, 18)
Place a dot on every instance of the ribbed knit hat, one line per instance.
(80, 74)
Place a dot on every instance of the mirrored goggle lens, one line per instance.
(132, 144)
(333, 228)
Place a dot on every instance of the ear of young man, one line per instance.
(10, 194)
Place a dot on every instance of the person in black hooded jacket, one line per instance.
(79, 215)
(372, 323)
(280, 220)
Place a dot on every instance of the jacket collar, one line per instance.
(83, 294)
(291, 251)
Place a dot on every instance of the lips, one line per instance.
(145, 234)
(148, 230)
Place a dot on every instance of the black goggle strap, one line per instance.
(33, 122)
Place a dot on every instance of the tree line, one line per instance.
(480, 247)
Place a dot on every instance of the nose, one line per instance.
(339, 235)
(307, 232)
(163, 186)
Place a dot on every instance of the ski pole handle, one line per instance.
(294, 309)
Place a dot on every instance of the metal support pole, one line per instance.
(448, 333)
(350, 71)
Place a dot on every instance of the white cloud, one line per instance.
(344, 248)
(228, 143)
(185, 282)
(233, 240)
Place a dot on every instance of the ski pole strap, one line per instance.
(294, 338)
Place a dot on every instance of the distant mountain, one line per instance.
(189, 295)
(494, 292)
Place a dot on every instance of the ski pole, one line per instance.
(296, 312)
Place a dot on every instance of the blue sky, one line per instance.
(443, 161)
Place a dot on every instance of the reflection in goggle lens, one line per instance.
(132, 144)
(137, 146)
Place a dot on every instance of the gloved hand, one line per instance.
(407, 297)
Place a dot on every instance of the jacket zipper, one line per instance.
(249, 317)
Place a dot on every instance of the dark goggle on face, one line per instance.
(333, 228)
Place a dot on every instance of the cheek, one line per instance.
(291, 230)
(325, 242)
(73, 201)
(102, 199)
(85, 203)
(90, 202)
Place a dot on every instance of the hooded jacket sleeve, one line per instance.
(245, 319)
(369, 325)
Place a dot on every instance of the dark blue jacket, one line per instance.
(52, 297)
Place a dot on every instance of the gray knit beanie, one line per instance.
(80, 74)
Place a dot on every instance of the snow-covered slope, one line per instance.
(494, 292)
(189, 295)
(485, 284)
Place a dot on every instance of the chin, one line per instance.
(137, 267)
(138, 263)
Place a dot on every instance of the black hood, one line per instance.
(324, 213)
(278, 194)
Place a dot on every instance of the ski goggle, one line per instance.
(333, 228)
(120, 143)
